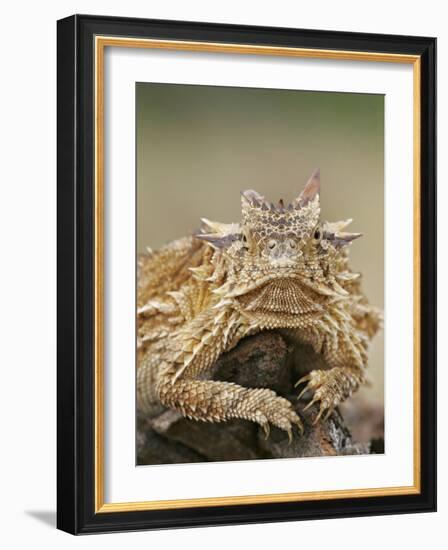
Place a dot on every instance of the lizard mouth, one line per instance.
(282, 295)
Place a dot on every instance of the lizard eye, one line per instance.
(272, 244)
(292, 243)
(317, 234)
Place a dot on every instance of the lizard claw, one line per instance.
(324, 408)
(302, 392)
(267, 430)
(329, 412)
(310, 404)
(319, 414)
(303, 379)
(310, 384)
(299, 425)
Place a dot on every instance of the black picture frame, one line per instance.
(76, 273)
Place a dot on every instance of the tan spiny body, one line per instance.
(280, 268)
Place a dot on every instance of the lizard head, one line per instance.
(281, 257)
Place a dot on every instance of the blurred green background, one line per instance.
(199, 146)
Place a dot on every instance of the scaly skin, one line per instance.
(280, 268)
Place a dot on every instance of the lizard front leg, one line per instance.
(214, 401)
(185, 365)
(345, 351)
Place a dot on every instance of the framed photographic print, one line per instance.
(246, 274)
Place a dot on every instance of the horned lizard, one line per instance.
(280, 268)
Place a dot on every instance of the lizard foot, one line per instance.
(329, 387)
(277, 411)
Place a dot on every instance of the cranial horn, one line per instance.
(208, 226)
(218, 241)
(345, 238)
(311, 189)
(251, 197)
(340, 238)
(218, 235)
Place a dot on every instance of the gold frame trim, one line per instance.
(101, 42)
